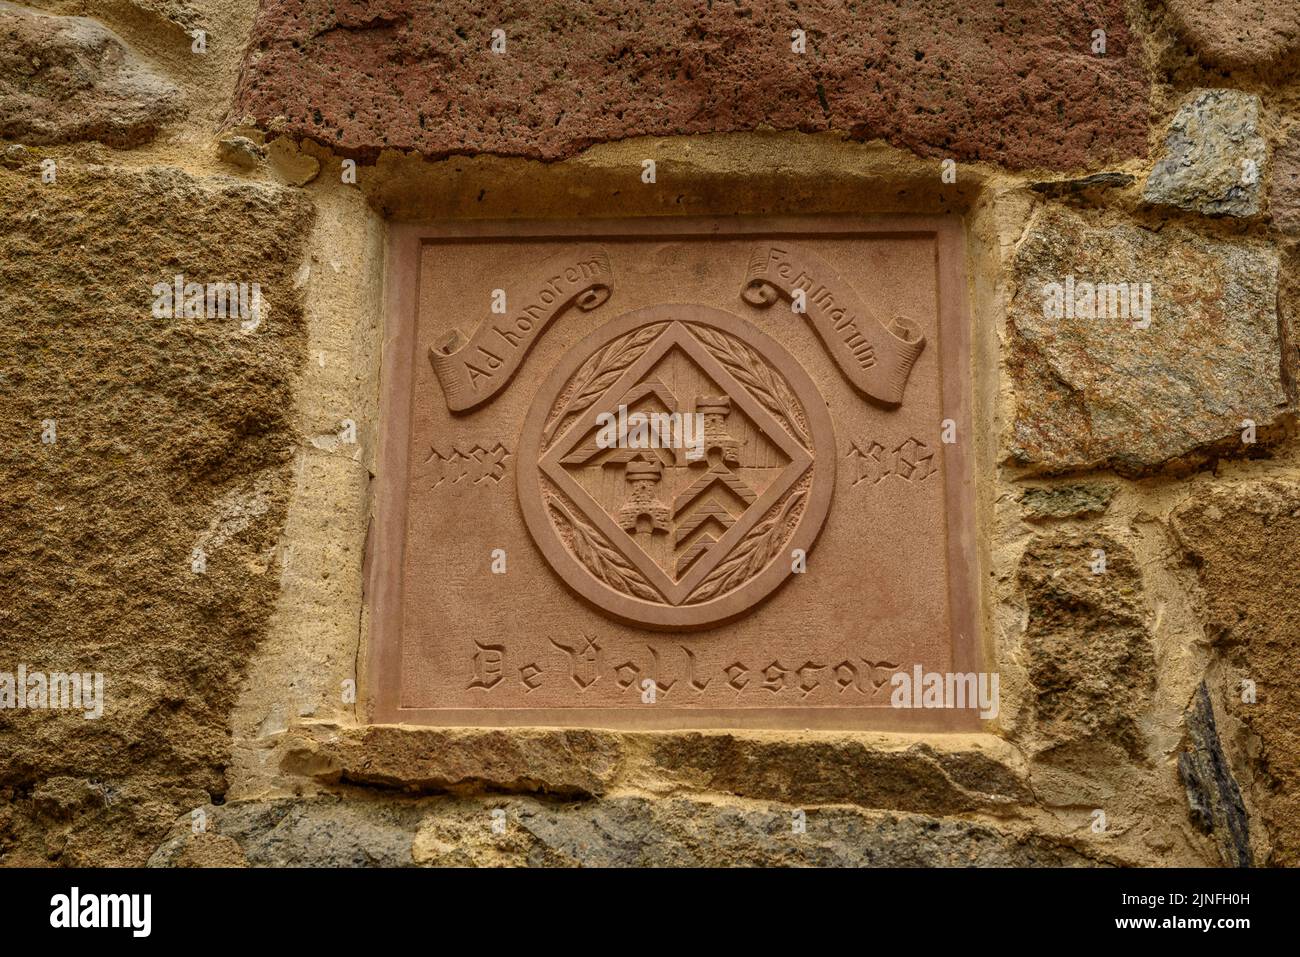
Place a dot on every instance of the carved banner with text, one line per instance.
(473, 371)
(875, 357)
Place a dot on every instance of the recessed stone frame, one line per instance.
(466, 392)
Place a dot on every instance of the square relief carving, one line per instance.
(674, 473)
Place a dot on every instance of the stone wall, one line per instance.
(1147, 713)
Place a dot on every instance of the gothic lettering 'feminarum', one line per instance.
(473, 371)
(876, 358)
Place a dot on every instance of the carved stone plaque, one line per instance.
(674, 474)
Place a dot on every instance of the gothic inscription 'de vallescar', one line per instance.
(675, 480)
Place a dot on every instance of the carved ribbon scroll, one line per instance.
(875, 357)
(474, 370)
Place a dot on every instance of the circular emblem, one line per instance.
(675, 466)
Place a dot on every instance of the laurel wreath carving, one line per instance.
(601, 371)
(599, 557)
(759, 378)
(749, 557)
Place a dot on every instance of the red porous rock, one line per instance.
(1016, 83)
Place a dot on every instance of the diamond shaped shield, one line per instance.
(674, 465)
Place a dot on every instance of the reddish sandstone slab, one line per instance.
(1016, 83)
(781, 571)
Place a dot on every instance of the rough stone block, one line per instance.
(1242, 540)
(1238, 33)
(133, 441)
(1284, 190)
(619, 832)
(1213, 797)
(1213, 161)
(70, 78)
(1086, 644)
(1066, 501)
(1102, 392)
